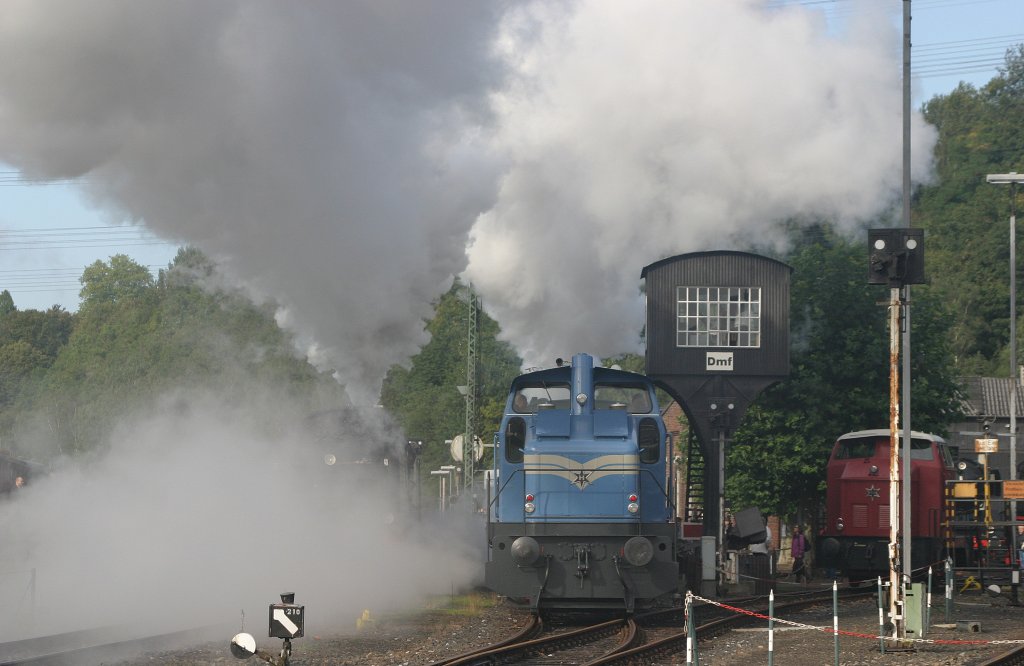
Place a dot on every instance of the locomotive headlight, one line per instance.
(330, 459)
(961, 465)
(529, 507)
(839, 524)
(873, 470)
(632, 507)
(581, 399)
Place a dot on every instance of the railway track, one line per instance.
(99, 646)
(532, 648)
(1014, 657)
(640, 640)
(714, 623)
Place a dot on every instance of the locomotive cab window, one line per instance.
(921, 449)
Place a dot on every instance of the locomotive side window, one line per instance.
(649, 440)
(515, 440)
(947, 455)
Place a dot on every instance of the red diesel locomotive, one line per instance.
(855, 539)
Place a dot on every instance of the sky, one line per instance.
(475, 134)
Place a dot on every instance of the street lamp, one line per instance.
(447, 479)
(453, 479)
(1012, 179)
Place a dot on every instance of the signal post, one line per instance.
(896, 259)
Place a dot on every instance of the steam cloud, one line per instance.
(200, 512)
(346, 159)
(637, 131)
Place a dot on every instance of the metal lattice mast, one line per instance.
(469, 436)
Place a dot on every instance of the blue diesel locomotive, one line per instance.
(580, 498)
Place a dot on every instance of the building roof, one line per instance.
(990, 397)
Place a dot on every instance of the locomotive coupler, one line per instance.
(582, 562)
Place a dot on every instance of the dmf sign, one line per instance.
(721, 361)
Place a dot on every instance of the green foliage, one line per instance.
(423, 397)
(120, 280)
(6, 303)
(967, 219)
(18, 360)
(46, 331)
(137, 338)
(630, 362)
(30, 341)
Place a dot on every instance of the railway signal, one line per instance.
(896, 256)
(286, 622)
(896, 259)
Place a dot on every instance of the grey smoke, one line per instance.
(346, 159)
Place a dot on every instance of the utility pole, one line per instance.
(907, 541)
(469, 435)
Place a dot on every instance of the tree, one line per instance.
(6, 303)
(30, 341)
(135, 341)
(119, 280)
(839, 378)
(18, 360)
(966, 218)
(423, 396)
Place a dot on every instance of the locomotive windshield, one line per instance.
(856, 448)
(633, 398)
(532, 397)
(864, 447)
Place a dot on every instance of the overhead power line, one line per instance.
(73, 238)
(41, 280)
(936, 59)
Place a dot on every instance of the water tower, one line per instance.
(717, 335)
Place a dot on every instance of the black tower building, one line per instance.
(717, 335)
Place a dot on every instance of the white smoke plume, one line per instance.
(637, 131)
(346, 159)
